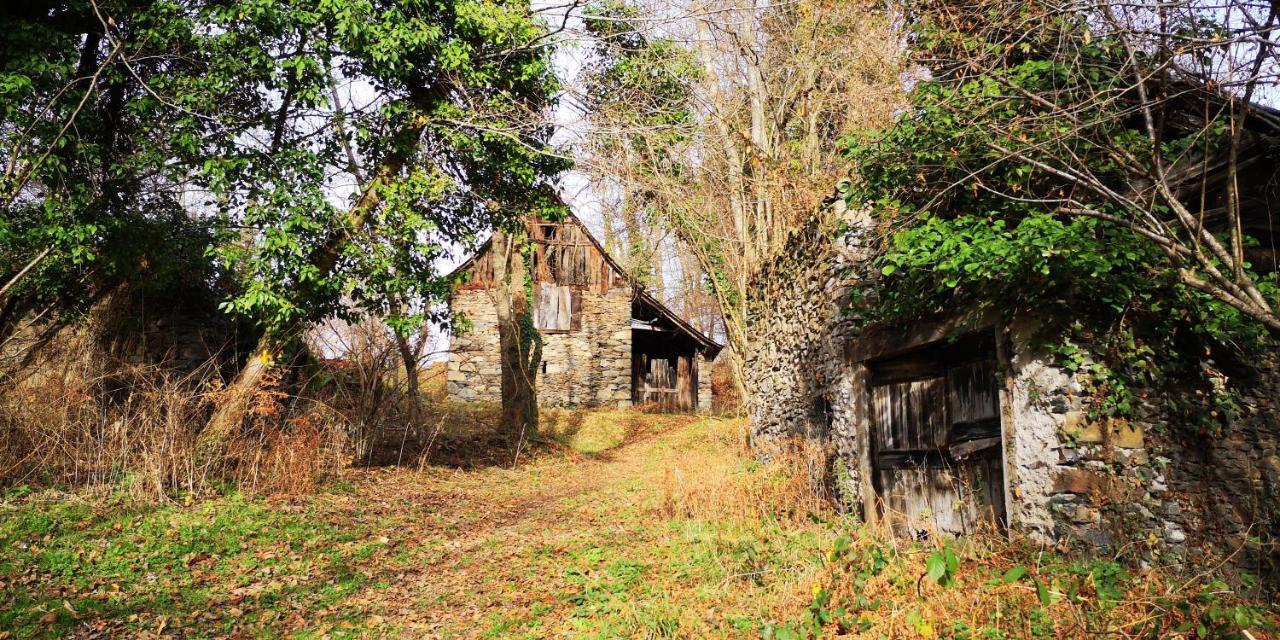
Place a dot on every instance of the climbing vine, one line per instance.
(965, 223)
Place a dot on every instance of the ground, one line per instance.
(622, 525)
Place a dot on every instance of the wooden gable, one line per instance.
(565, 255)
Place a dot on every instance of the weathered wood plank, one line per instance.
(971, 392)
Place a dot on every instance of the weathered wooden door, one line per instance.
(936, 438)
(659, 383)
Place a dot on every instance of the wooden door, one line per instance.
(936, 439)
(659, 386)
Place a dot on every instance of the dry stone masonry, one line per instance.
(1153, 485)
(586, 368)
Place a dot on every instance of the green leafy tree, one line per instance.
(129, 126)
(107, 110)
(458, 141)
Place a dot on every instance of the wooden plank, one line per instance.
(575, 321)
(684, 388)
(924, 501)
(551, 308)
(971, 392)
(911, 415)
(564, 311)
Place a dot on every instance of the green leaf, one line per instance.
(1042, 592)
(888, 269)
(936, 566)
(1015, 574)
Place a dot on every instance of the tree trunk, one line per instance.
(409, 357)
(231, 411)
(519, 342)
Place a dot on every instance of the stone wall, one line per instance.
(1151, 486)
(798, 330)
(589, 367)
(1154, 485)
(704, 383)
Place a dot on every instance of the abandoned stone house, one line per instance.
(607, 342)
(955, 421)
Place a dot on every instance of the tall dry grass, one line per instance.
(80, 412)
(794, 483)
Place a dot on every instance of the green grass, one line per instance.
(566, 546)
(169, 567)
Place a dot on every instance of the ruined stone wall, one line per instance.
(585, 368)
(1155, 484)
(797, 334)
(1151, 485)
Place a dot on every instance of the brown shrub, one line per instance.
(78, 417)
(725, 398)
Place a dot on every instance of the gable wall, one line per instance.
(586, 368)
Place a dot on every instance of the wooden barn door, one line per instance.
(936, 439)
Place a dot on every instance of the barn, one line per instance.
(607, 342)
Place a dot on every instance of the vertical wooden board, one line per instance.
(564, 311)
(984, 480)
(540, 300)
(575, 321)
(972, 392)
(924, 499)
(882, 417)
(684, 400)
(911, 415)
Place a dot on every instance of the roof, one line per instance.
(709, 346)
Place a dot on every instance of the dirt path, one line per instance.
(499, 552)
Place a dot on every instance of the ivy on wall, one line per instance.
(964, 223)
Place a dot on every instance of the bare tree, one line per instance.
(729, 140)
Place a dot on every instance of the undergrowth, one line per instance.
(671, 532)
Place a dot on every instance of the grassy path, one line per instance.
(665, 530)
(565, 545)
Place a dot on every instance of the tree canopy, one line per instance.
(151, 137)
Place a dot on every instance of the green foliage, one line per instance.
(942, 565)
(972, 227)
(212, 123)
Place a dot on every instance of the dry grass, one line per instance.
(794, 484)
(672, 534)
(78, 416)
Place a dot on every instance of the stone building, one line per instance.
(938, 427)
(607, 343)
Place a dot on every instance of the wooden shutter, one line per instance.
(551, 311)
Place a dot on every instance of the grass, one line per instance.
(626, 525)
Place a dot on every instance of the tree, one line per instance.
(520, 345)
(458, 137)
(204, 140)
(1111, 118)
(1081, 164)
(729, 142)
(107, 111)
